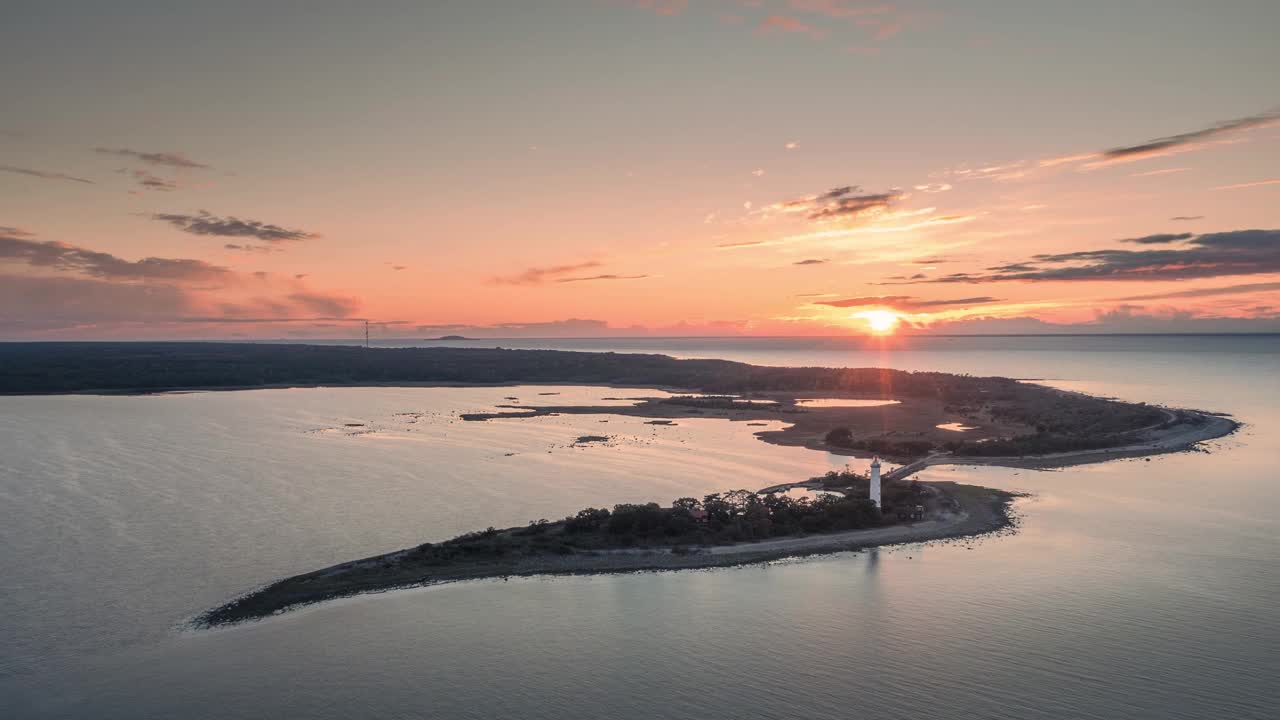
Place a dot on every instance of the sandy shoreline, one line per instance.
(976, 511)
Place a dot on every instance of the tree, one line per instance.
(686, 503)
(840, 437)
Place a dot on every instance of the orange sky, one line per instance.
(621, 168)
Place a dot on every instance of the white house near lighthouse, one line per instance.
(875, 481)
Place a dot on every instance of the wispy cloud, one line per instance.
(205, 223)
(249, 248)
(661, 7)
(65, 257)
(840, 202)
(1242, 289)
(607, 276)
(787, 24)
(811, 261)
(1158, 239)
(324, 303)
(1185, 218)
(1165, 171)
(1241, 186)
(906, 302)
(539, 275)
(1164, 146)
(1222, 254)
(168, 159)
(152, 182)
(1161, 146)
(42, 174)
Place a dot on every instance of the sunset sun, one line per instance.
(881, 322)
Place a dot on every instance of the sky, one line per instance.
(568, 168)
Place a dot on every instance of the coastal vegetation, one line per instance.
(717, 519)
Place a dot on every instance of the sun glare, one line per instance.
(881, 322)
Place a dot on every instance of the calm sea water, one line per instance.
(1132, 589)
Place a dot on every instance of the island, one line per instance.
(721, 529)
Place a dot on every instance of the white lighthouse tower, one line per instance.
(875, 481)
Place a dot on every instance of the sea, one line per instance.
(1137, 588)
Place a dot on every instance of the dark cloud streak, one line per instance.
(205, 223)
(1222, 254)
(42, 174)
(168, 159)
(1166, 143)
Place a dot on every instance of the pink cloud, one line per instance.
(787, 24)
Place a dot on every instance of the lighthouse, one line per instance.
(875, 482)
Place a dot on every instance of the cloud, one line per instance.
(204, 223)
(572, 327)
(933, 187)
(905, 302)
(42, 174)
(325, 304)
(65, 257)
(1119, 320)
(1165, 171)
(1187, 217)
(840, 202)
(841, 8)
(1222, 254)
(1170, 145)
(787, 24)
(153, 182)
(662, 7)
(539, 275)
(1207, 292)
(168, 159)
(60, 287)
(1161, 146)
(36, 304)
(811, 261)
(1161, 239)
(1241, 186)
(592, 278)
(398, 268)
(249, 248)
